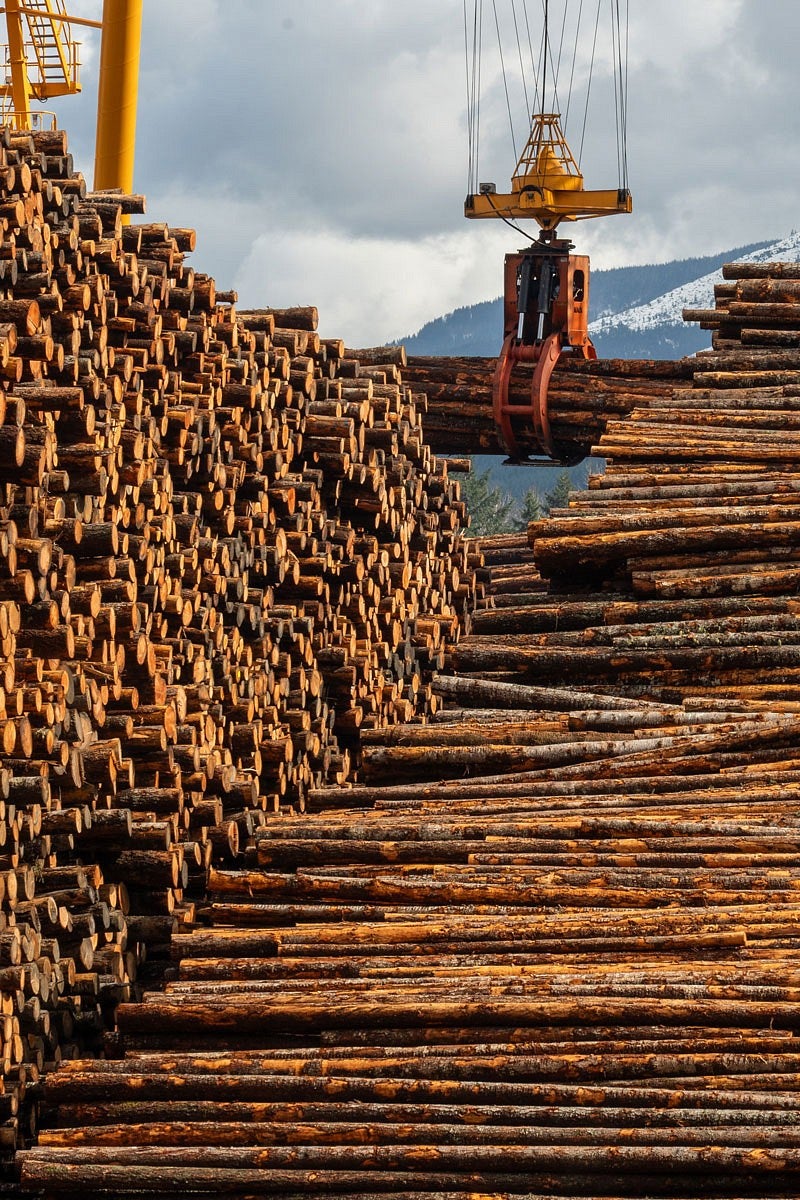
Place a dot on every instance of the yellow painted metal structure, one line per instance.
(118, 93)
(547, 185)
(41, 57)
(42, 62)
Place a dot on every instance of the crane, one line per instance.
(546, 287)
(42, 62)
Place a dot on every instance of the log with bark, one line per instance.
(548, 941)
(582, 398)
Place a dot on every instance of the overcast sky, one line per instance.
(320, 148)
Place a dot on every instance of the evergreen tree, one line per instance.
(489, 508)
(531, 509)
(558, 496)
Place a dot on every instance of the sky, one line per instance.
(320, 147)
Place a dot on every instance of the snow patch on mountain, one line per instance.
(699, 293)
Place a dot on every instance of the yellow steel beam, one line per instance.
(117, 94)
(548, 206)
(37, 12)
(20, 81)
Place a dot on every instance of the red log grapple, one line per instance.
(545, 317)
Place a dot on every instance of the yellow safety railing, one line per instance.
(39, 120)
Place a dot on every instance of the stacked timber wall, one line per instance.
(548, 944)
(224, 549)
(582, 398)
(547, 940)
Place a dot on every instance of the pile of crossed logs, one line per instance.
(224, 549)
(582, 397)
(549, 944)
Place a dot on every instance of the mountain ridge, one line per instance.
(656, 326)
(476, 329)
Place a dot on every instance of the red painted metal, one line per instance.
(561, 332)
(549, 354)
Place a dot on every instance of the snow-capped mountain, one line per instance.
(639, 308)
(660, 323)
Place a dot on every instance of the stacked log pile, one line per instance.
(224, 549)
(566, 987)
(548, 944)
(583, 397)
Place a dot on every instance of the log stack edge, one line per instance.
(225, 549)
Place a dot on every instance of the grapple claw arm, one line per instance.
(549, 354)
(545, 315)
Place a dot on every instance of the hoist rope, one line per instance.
(620, 92)
(519, 54)
(473, 77)
(533, 61)
(505, 79)
(546, 47)
(546, 74)
(555, 64)
(477, 84)
(467, 76)
(589, 82)
(574, 60)
(557, 71)
(623, 81)
(617, 114)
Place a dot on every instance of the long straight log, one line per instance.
(582, 396)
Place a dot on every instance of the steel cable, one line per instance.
(505, 79)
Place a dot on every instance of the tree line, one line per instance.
(492, 510)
